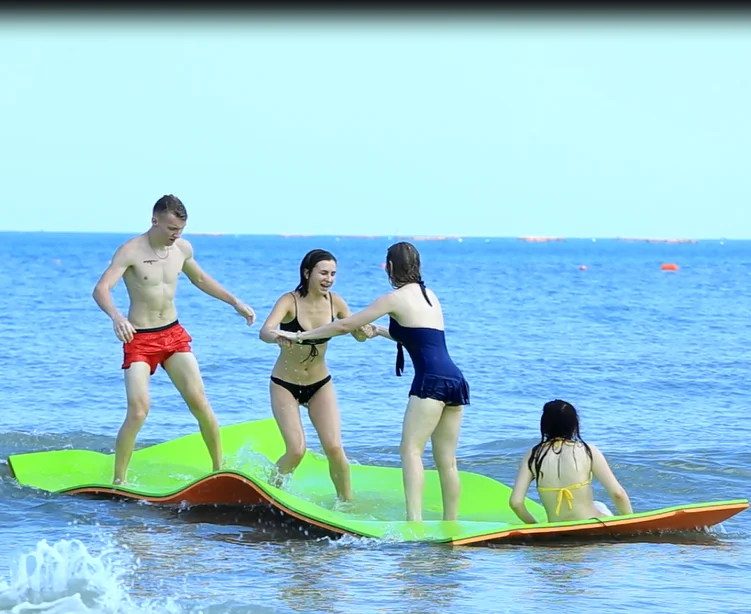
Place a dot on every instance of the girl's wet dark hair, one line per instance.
(311, 259)
(559, 420)
(403, 264)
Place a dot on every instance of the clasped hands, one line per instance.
(289, 336)
(369, 330)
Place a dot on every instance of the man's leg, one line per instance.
(182, 368)
(137, 393)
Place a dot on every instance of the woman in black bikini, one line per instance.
(300, 375)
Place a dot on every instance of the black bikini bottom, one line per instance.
(302, 394)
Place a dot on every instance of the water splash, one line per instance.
(251, 463)
(65, 578)
(345, 507)
(258, 466)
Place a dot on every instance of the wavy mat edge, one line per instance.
(234, 488)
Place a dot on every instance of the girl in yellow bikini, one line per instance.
(563, 466)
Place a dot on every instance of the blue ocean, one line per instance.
(656, 362)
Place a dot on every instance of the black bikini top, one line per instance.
(294, 326)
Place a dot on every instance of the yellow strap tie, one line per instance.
(564, 492)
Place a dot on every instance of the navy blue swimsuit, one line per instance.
(436, 375)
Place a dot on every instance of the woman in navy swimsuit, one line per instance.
(438, 392)
(300, 375)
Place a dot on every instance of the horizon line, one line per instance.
(416, 237)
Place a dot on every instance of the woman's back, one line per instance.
(564, 480)
(416, 306)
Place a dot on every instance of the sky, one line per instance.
(497, 125)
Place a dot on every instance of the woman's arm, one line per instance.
(342, 312)
(524, 478)
(378, 308)
(601, 470)
(268, 334)
(382, 331)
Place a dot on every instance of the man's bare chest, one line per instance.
(149, 269)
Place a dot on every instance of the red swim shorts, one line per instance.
(155, 345)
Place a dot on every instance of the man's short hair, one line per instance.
(171, 204)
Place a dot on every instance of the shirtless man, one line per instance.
(151, 334)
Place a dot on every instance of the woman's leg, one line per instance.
(323, 410)
(445, 439)
(420, 420)
(287, 414)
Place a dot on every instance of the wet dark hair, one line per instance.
(309, 262)
(405, 264)
(170, 204)
(559, 420)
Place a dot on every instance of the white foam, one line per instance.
(64, 578)
(352, 541)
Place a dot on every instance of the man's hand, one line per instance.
(246, 312)
(123, 329)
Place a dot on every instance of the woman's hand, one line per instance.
(292, 337)
(284, 342)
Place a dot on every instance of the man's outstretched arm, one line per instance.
(204, 282)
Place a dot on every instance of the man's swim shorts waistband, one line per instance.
(158, 329)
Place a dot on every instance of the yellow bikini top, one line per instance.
(566, 490)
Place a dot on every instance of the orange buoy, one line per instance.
(669, 266)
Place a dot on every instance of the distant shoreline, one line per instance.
(406, 237)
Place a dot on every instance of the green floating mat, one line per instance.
(174, 472)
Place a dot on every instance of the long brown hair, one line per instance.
(403, 264)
